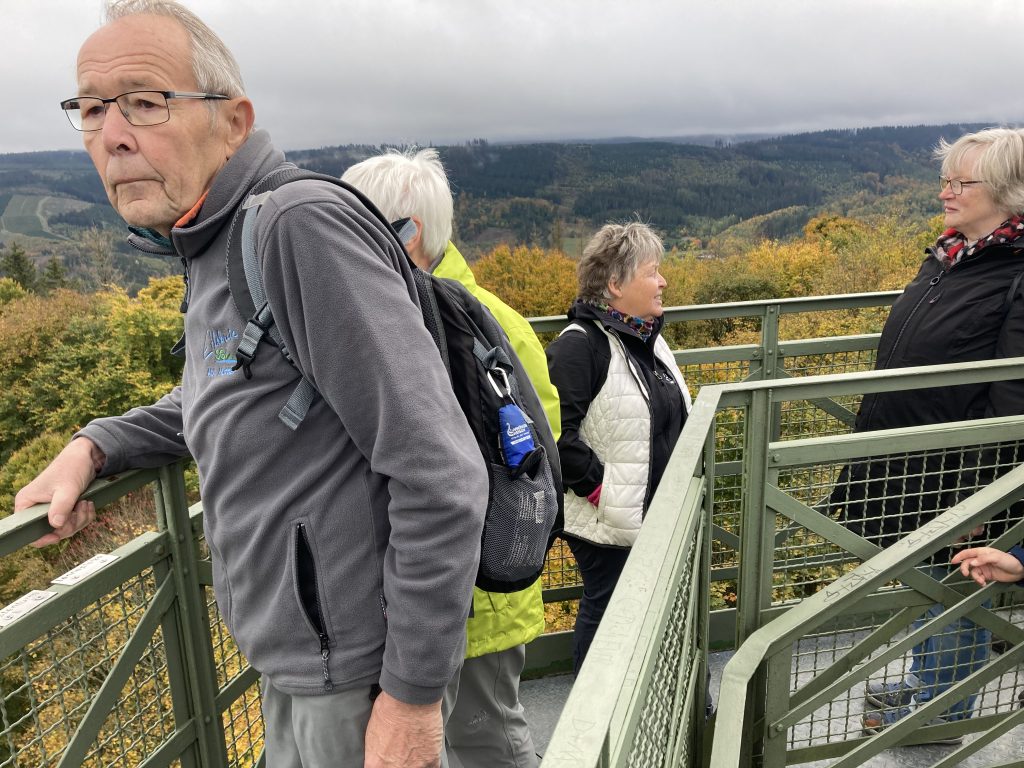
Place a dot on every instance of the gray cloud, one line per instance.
(327, 72)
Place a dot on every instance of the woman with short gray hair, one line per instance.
(623, 406)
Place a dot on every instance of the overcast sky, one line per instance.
(325, 72)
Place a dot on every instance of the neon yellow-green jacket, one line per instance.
(503, 621)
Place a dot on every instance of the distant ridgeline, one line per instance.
(555, 195)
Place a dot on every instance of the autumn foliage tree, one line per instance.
(70, 357)
(533, 281)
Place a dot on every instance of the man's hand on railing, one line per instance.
(984, 564)
(61, 485)
(406, 735)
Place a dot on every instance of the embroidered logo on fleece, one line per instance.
(219, 351)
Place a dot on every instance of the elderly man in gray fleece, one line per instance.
(344, 551)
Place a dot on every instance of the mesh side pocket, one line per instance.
(520, 516)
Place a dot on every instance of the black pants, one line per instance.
(600, 568)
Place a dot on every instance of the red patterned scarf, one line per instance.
(952, 247)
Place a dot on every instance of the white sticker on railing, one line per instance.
(23, 605)
(80, 572)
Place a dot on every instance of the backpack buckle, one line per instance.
(244, 361)
(245, 354)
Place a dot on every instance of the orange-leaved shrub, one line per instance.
(533, 281)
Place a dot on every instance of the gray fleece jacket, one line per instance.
(359, 533)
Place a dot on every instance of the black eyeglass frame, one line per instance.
(71, 104)
(956, 186)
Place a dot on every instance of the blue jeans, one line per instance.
(600, 568)
(946, 658)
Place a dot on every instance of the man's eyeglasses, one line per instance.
(955, 185)
(139, 108)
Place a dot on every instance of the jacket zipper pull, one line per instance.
(325, 656)
(185, 298)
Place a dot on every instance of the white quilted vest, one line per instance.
(617, 428)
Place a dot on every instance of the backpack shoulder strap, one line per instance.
(245, 283)
(1012, 293)
(596, 333)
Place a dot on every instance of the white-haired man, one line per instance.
(487, 727)
(339, 548)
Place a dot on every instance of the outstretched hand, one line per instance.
(406, 735)
(985, 564)
(61, 484)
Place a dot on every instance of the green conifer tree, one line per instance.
(54, 275)
(15, 264)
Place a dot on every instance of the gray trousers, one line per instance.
(487, 727)
(318, 731)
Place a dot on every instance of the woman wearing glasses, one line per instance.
(966, 304)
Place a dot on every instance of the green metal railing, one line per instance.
(772, 357)
(799, 703)
(133, 665)
(772, 651)
(130, 666)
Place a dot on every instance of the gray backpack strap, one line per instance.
(262, 324)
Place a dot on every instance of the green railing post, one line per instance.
(177, 666)
(772, 359)
(770, 341)
(757, 527)
(757, 542)
(774, 738)
(192, 620)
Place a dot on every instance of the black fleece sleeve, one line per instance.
(577, 371)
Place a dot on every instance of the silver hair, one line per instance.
(213, 65)
(615, 254)
(410, 183)
(999, 163)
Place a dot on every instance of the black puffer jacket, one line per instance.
(954, 315)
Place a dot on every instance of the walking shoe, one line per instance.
(888, 695)
(877, 721)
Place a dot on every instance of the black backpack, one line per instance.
(525, 502)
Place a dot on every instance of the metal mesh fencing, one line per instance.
(700, 375)
(46, 687)
(883, 498)
(560, 568)
(243, 729)
(864, 708)
(243, 719)
(664, 732)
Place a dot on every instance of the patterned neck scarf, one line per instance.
(643, 328)
(952, 246)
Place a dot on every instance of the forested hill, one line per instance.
(555, 195)
(541, 192)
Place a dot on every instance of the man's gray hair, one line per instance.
(410, 183)
(213, 65)
(615, 254)
(1000, 163)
